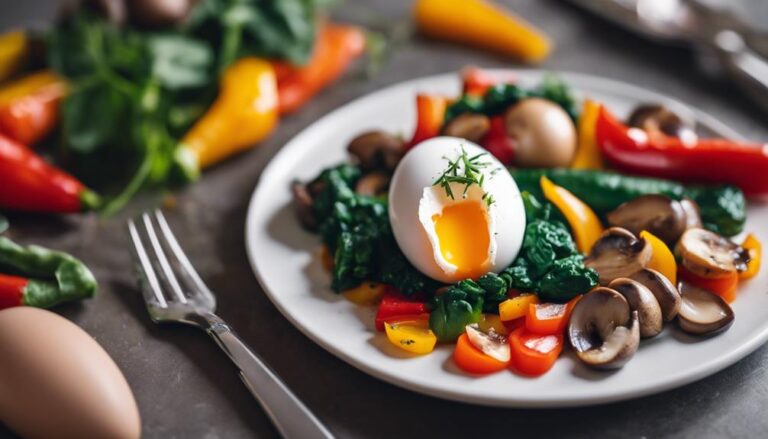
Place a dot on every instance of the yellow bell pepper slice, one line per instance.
(662, 259)
(585, 224)
(481, 23)
(244, 113)
(412, 336)
(755, 249)
(492, 321)
(516, 307)
(588, 155)
(13, 52)
(367, 293)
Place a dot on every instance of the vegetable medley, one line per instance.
(523, 183)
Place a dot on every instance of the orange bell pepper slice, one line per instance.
(755, 249)
(585, 224)
(534, 354)
(483, 24)
(473, 360)
(549, 318)
(724, 287)
(662, 259)
(430, 114)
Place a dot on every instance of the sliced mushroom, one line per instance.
(618, 253)
(302, 204)
(660, 215)
(490, 343)
(372, 184)
(470, 126)
(543, 133)
(663, 290)
(710, 255)
(641, 299)
(702, 312)
(157, 13)
(692, 213)
(654, 117)
(602, 331)
(377, 150)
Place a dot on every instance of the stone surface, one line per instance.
(187, 388)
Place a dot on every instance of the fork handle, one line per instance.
(289, 415)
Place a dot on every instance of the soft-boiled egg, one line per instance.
(448, 229)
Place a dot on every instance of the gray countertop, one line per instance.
(186, 387)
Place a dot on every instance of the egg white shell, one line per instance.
(413, 180)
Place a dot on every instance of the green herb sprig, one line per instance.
(469, 174)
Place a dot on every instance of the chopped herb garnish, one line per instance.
(465, 170)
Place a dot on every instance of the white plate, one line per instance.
(285, 260)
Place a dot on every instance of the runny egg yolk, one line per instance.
(462, 233)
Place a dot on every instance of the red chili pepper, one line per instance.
(28, 183)
(498, 143)
(336, 47)
(12, 290)
(395, 306)
(29, 107)
(430, 114)
(704, 160)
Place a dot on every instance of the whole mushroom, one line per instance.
(470, 126)
(618, 253)
(602, 330)
(658, 214)
(542, 133)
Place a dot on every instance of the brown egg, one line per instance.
(56, 381)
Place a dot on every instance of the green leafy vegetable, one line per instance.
(500, 97)
(454, 309)
(54, 276)
(723, 208)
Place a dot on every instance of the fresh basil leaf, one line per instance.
(92, 115)
(180, 62)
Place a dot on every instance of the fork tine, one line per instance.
(203, 289)
(153, 285)
(162, 259)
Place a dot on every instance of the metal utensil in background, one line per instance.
(726, 42)
(175, 293)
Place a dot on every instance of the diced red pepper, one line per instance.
(534, 354)
(498, 143)
(11, 290)
(430, 111)
(395, 305)
(549, 318)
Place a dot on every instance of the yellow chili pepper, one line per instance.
(516, 307)
(13, 52)
(244, 113)
(662, 259)
(588, 155)
(367, 293)
(481, 23)
(414, 337)
(755, 249)
(585, 224)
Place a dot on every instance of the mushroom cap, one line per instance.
(710, 255)
(618, 253)
(598, 329)
(376, 150)
(641, 299)
(543, 133)
(490, 343)
(658, 118)
(372, 184)
(663, 290)
(470, 126)
(702, 312)
(658, 214)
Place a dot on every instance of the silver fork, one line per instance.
(174, 292)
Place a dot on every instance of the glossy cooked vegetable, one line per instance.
(483, 24)
(472, 360)
(244, 113)
(28, 183)
(534, 354)
(454, 309)
(755, 248)
(724, 286)
(716, 161)
(430, 113)
(36, 276)
(29, 107)
(585, 225)
(14, 48)
(723, 208)
(588, 155)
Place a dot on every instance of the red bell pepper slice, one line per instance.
(396, 306)
(705, 160)
(430, 112)
(12, 290)
(30, 184)
(498, 143)
(549, 318)
(725, 287)
(534, 354)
